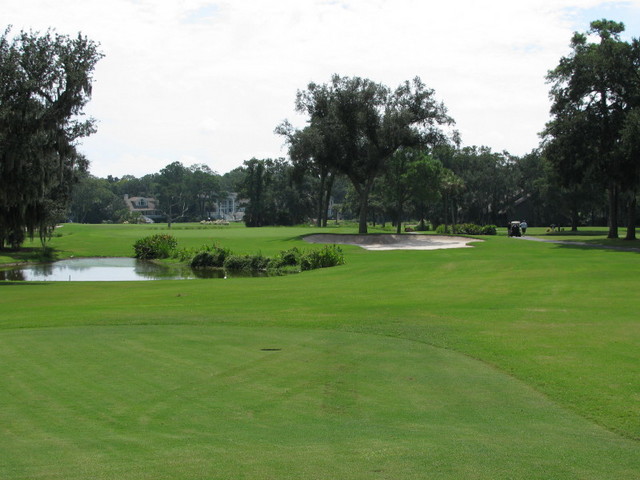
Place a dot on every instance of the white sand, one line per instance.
(393, 241)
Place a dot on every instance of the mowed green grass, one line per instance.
(511, 359)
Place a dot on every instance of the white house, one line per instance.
(228, 209)
(147, 207)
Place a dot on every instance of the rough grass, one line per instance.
(507, 360)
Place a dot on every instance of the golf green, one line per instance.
(155, 402)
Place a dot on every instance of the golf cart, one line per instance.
(514, 229)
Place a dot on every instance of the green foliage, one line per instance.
(489, 230)
(160, 245)
(360, 124)
(286, 258)
(276, 193)
(595, 92)
(45, 81)
(327, 256)
(185, 254)
(213, 257)
(291, 260)
(93, 201)
(253, 263)
(202, 260)
(422, 227)
(467, 229)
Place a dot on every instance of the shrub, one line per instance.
(286, 258)
(202, 260)
(328, 256)
(219, 255)
(291, 257)
(422, 227)
(155, 246)
(258, 262)
(211, 257)
(237, 262)
(184, 254)
(468, 229)
(246, 262)
(489, 230)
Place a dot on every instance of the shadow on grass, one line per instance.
(596, 246)
(292, 239)
(594, 238)
(579, 233)
(28, 254)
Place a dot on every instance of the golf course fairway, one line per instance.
(507, 360)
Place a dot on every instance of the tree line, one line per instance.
(444, 186)
(184, 194)
(367, 151)
(593, 138)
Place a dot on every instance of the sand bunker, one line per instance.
(393, 242)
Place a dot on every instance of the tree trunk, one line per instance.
(613, 210)
(327, 200)
(574, 218)
(446, 212)
(454, 211)
(453, 217)
(398, 218)
(631, 222)
(364, 209)
(320, 201)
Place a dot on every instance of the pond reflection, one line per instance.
(106, 270)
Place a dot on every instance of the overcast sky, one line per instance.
(200, 81)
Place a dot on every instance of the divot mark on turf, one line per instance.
(270, 349)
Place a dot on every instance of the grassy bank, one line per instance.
(510, 359)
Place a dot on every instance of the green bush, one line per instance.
(292, 260)
(489, 230)
(237, 262)
(202, 260)
(328, 256)
(184, 254)
(246, 262)
(286, 258)
(258, 262)
(210, 257)
(155, 246)
(468, 229)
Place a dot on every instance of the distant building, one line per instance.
(228, 209)
(147, 208)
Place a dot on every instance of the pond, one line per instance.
(104, 270)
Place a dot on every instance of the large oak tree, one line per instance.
(45, 81)
(594, 89)
(359, 124)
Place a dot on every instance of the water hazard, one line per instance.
(104, 270)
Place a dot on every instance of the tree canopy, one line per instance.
(359, 124)
(45, 81)
(594, 90)
(393, 146)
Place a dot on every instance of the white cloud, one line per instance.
(204, 81)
